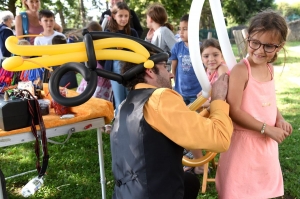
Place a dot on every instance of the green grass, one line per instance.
(73, 171)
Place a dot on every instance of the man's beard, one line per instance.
(163, 82)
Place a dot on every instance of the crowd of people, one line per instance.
(153, 124)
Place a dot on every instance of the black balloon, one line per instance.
(90, 72)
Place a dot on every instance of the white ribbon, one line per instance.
(193, 35)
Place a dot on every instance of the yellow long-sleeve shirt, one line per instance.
(166, 112)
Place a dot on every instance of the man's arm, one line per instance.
(58, 28)
(167, 113)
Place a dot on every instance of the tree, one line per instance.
(10, 5)
(175, 9)
(242, 10)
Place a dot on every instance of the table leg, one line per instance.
(101, 163)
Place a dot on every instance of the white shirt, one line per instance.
(46, 40)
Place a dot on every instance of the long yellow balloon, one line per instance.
(17, 63)
(54, 55)
(209, 155)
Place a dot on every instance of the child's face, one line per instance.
(47, 23)
(183, 31)
(212, 58)
(122, 18)
(266, 45)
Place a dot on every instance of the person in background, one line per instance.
(134, 20)
(212, 59)
(68, 79)
(119, 23)
(47, 21)
(186, 82)
(27, 23)
(7, 21)
(251, 167)
(160, 32)
(152, 128)
(104, 89)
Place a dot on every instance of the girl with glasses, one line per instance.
(251, 168)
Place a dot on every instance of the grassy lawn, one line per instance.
(73, 171)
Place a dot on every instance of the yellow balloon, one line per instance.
(55, 55)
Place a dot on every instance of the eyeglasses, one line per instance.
(165, 65)
(255, 44)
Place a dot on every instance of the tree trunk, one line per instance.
(62, 18)
(12, 6)
(82, 13)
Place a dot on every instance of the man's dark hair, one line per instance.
(139, 78)
(185, 18)
(59, 39)
(45, 13)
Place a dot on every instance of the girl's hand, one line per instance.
(276, 133)
(284, 125)
(150, 34)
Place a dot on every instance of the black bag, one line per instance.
(2, 186)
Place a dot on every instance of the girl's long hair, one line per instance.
(113, 25)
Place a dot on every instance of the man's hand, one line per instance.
(220, 88)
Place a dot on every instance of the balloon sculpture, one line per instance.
(193, 35)
(95, 46)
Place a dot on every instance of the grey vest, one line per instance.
(145, 163)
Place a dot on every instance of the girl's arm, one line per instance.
(57, 27)
(222, 69)
(149, 35)
(18, 26)
(281, 123)
(237, 83)
(174, 66)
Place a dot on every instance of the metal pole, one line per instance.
(21, 174)
(101, 163)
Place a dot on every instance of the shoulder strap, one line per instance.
(248, 65)
(270, 69)
(25, 23)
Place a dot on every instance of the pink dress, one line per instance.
(103, 90)
(250, 168)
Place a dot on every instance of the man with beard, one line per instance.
(151, 130)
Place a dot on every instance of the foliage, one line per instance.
(10, 5)
(242, 10)
(175, 9)
(290, 11)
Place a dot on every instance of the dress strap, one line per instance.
(245, 60)
(212, 76)
(269, 67)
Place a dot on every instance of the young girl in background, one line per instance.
(119, 23)
(251, 168)
(103, 89)
(213, 61)
(160, 32)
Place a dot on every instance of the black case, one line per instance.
(14, 114)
